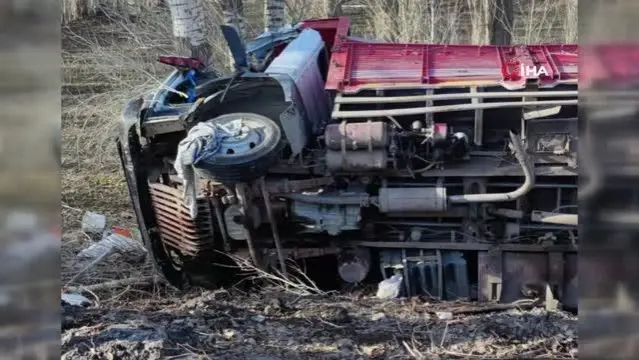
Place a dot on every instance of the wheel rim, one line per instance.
(239, 136)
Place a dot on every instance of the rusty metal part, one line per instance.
(415, 199)
(303, 253)
(176, 228)
(245, 202)
(235, 230)
(528, 184)
(270, 255)
(354, 265)
(219, 216)
(273, 223)
(159, 125)
(507, 213)
(464, 246)
(356, 160)
(490, 275)
(522, 270)
(286, 185)
(356, 136)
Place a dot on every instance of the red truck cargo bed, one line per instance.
(358, 65)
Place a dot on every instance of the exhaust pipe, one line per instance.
(528, 184)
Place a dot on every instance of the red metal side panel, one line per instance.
(357, 65)
(332, 30)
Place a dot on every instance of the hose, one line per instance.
(528, 184)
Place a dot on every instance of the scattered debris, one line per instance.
(389, 288)
(114, 243)
(335, 315)
(444, 315)
(258, 318)
(93, 224)
(346, 345)
(228, 334)
(75, 299)
(133, 340)
(105, 247)
(186, 322)
(378, 316)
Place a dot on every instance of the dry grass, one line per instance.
(106, 63)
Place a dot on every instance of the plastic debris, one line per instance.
(389, 288)
(111, 243)
(93, 224)
(75, 299)
(444, 315)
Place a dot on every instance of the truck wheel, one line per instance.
(254, 147)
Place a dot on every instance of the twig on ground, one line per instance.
(113, 284)
(412, 351)
(520, 304)
(441, 343)
(329, 323)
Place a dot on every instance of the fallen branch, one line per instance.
(520, 304)
(147, 280)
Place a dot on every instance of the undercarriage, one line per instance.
(466, 188)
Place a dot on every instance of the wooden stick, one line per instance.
(112, 284)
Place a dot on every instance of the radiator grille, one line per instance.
(191, 237)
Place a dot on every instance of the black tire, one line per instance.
(250, 165)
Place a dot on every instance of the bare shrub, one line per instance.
(295, 281)
(76, 9)
(414, 20)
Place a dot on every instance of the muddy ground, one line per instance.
(275, 324)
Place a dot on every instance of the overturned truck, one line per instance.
(452, 165)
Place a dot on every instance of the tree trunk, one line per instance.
(502, 23)
(571, 22)
(334, 8)
(233, 11)
(274, 14)
(189, 27)
(481, 16)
